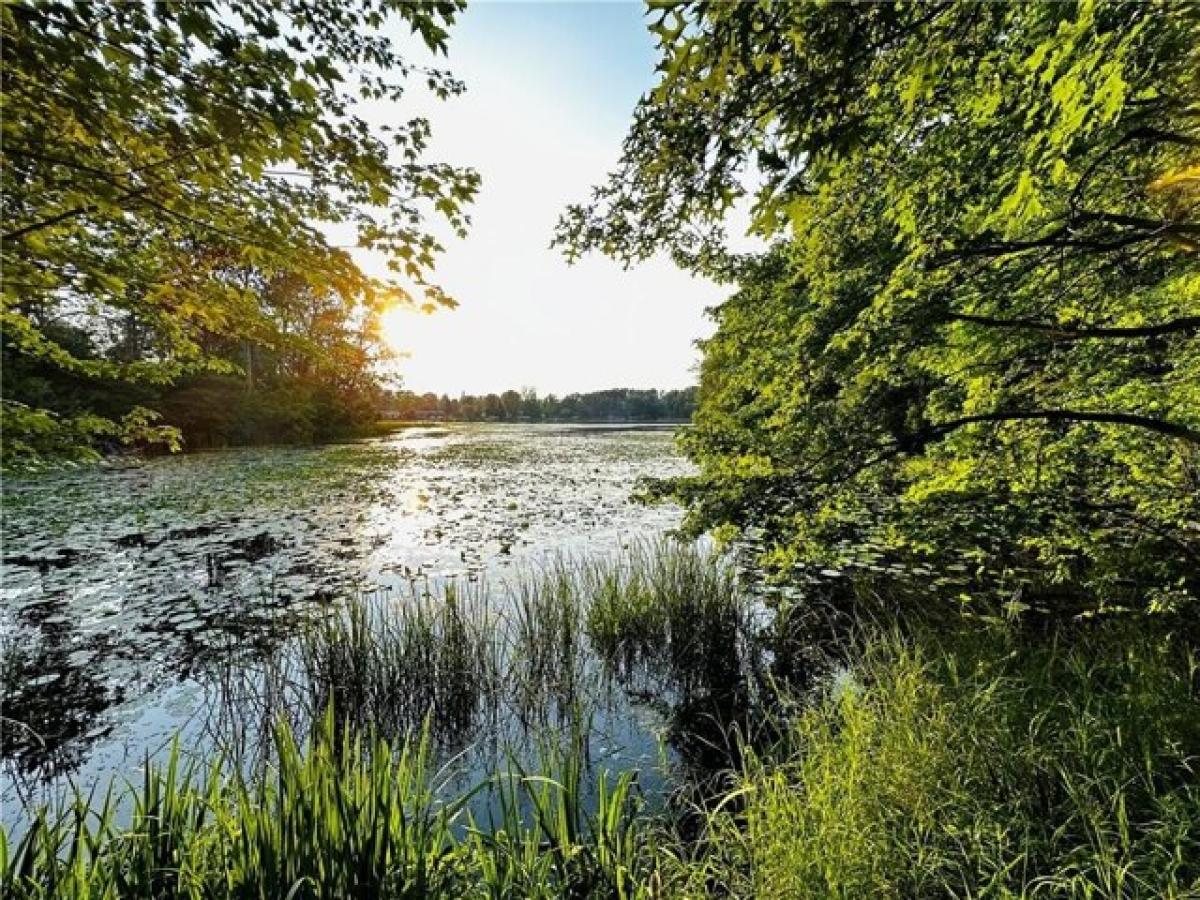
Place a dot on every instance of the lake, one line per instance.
(131, 591)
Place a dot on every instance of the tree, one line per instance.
(170, 165)
(973, 338)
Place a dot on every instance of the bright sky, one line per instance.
(550, 88)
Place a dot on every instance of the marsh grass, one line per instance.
(489, 662)
(550, 662)
(392, 663)
(341, 816)
(967, 760)
(672, 614)
(975, 765)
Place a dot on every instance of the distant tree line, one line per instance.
(614, 405)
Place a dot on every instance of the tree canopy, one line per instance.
(173, 174)
(972, 338)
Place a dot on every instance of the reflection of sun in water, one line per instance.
(393, 328)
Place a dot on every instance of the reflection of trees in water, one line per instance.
(60, 682)
(53, 698)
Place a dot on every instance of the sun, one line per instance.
(393, 328)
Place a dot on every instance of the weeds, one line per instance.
(674, 614)
(480, 660)
(391, 663)
(343, 816)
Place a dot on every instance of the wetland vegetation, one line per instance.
(910, 763)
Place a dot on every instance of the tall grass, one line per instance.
(549, 659)
(392, 662)
(983, 766)
(964, 761)
(675, 614)
(343, 816)
(538, 650)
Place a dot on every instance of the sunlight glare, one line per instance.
(393, 328)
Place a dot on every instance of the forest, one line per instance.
(616, 405)
(165, 173)
(927, 625)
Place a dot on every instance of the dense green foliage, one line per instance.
(341, 818)
(973, 337)
(175, 179)
(619, 404)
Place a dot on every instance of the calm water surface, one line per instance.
(126, 588)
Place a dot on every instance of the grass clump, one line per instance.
(976, 766)
(963, 760)
(547, 651)
(390, 663)
(342, 816)
(672, 612)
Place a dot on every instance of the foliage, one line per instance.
(675, 614)
(973, 335)
(483, 664)
(343, 816)
(987, 764)
(33, 436)
(173, 176)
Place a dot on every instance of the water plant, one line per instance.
(344, 815)
(549, 659)
(391, 662)
(961, 758)
(670, 612)
(666, 621)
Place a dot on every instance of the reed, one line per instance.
(392, 662)
(341, 816)
(975, 765)
(537, 650)
(970, 760)
(671, 614)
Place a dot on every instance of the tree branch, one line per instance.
(65, 215)
(934, 432)
(1135, 229)
(1182, 325)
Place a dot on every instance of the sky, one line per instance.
(550, 90)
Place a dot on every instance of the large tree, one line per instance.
(167, 166)
(974, 335)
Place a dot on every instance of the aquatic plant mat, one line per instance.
(128, 587)
(967, 760)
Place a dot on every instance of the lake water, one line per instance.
(129, 591)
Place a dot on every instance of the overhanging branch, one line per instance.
(1160, 426)
(1181, 325)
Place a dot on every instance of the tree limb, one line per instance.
(67, 214)
(1182, 325)
(934, 432)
